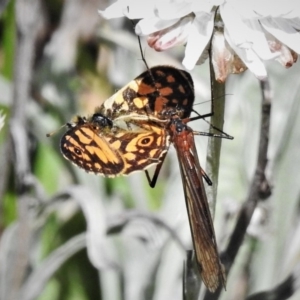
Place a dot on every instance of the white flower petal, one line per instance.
(204, 56)
(151, 25)
(274, 9)
(234, 24)
(171, 36)
(222, 56)
(241, 8)
(200, 34)
(116, 10)
(265, 8)
(286, 57)
(295, 22)
(256, 30)
(258, 40)
(132, 9)
(249, 57)
(224, 59)
(283, 31)
(139, 9)
(192, 51)
(246, 33)
(172, 10)
(254, 64)
(177, 9)
(205, 5)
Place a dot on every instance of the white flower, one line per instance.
(247, 32)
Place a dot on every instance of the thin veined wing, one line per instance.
(203, 235)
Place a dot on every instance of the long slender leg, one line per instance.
(152, 181)
(209, 134)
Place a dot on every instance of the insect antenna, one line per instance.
(199, 116)
(220, 97)
(56, 130)
(141, 50)
(143, 56)
(223, 134)
(148, 69)
(145, 62)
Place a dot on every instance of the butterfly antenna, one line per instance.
(55, 131)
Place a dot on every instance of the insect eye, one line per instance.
(101, 121)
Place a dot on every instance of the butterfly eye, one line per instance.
(101, 121)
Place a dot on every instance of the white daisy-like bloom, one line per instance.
(243, 33)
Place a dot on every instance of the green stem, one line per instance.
(214, 144)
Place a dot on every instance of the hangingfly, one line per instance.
(203, 235)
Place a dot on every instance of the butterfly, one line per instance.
(96, 145)
(120, 138)
(132, 130)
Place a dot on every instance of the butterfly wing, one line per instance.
(150, 93)
(201, 224)
(142, 149)
(112, 151)
(83, 146)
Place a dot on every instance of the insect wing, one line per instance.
(173, 89)
(114, 151)
(89, 151)
(201, 224)
(152, 92)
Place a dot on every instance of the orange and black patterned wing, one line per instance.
(84, 147)
(141, 148)
(203, 235)
(111, 151)
(150, 94)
